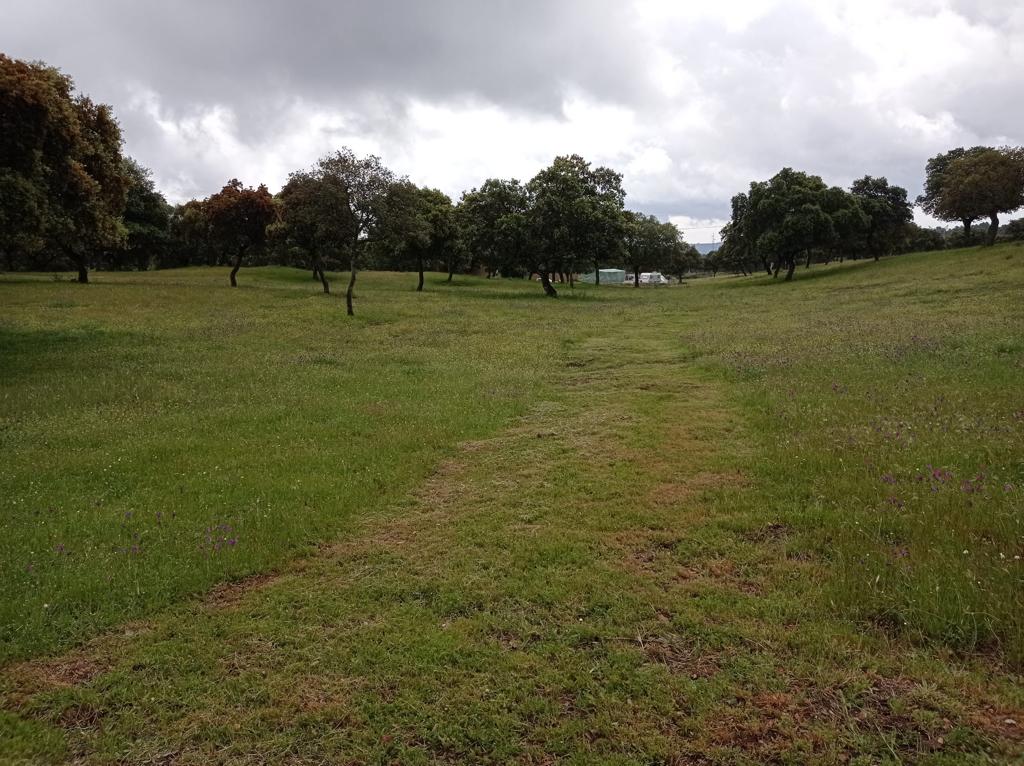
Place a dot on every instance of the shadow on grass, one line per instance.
(29, 351)
(801, 275)
(520, 295)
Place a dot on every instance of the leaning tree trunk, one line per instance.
(351, 288)
(451, 268)
(545, 281)
(236, 267)
(419, 285)
(318, 270)
(993, 228)
(791, 269)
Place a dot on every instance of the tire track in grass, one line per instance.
(600, 583)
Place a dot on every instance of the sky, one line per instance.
(690, 101)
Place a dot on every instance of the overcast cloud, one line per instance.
(691, 101)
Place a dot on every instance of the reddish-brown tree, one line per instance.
(238, 218)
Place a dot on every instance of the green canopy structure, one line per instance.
(608, 277)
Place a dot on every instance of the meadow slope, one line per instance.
(737, 521)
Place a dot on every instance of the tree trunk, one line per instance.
(351, 288)
(597, 273)
(767, 266)
(572, 280)
(775, 269)
(545, 281)
(318, 270)
(451, 268)
(808, 264)
(993, 228)
(234, 270)
(636, 277)
(419, 285)
(967, 230)
(83, 274)
(791, 269)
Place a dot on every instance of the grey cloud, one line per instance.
(253, 55)
(784, 88)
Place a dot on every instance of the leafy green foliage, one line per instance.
(650, 245)
(983, 183)
(574, 217)
(787, 217)
(887, 211)
(315, 220)
(62, 178)
(492, 221)
(366, 182)
(416, 229)
(146, 220)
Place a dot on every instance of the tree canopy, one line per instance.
(63, 180)
(239, 217)
(315, 219)
(366, 182)
(982, 183)
(787, 218)
(574, 216)
(68, 197)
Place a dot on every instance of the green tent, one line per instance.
(608, 277)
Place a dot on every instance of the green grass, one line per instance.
(739, 521)
(162, 434)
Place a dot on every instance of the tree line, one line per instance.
(795, 216)
(69, 198)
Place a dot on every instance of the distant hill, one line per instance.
(707, 247)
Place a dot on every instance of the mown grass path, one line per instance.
(613, 578)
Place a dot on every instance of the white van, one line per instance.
(653, 278)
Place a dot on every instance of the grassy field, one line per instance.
(735, 522)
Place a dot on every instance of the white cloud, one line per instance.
(690, 101)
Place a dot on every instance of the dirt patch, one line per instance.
(670, 493)
(37, 676)
(681, 659)
(772, 725)
(769, 533)
(80, 717)
(718, 572)
(443, 486)
(681, 491)
(1004, 724)
(648, 552)
(227, 595)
